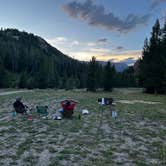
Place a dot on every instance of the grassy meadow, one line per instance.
(137, 137)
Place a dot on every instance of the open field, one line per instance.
(136, 137)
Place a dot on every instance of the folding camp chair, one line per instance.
(42, 110)
(68, 108)
(105, 102)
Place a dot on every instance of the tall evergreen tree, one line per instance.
(108, 77)
(91, 79)
(151, 66)
(23, 80)
(3, 77)
(163, 50)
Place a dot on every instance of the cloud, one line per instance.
(98, 42)
(64, 44)
(129, 61)
(119, 48)
(103, 40)
(156, 3)
(91, 44)
(75, 43)
(163, 14)
(57, 41)
(85, 50)
(95, 15)
(99, 50)
(118, 57)
(62, 41)
(129, 56)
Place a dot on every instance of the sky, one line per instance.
(107, 29)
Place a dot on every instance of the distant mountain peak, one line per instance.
(119, 66)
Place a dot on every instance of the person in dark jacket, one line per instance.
(19, 106)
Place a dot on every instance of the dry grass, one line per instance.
(137, 137)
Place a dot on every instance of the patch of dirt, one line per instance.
(13, 92)
(136, 101)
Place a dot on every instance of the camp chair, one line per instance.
(68, 107)
(105, 102)
(42, 110)
(21, 109)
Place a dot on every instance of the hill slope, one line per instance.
(27, 60)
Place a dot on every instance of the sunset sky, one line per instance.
(108, 29)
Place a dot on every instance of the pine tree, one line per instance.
(163, 50)
(91, 78)
(3, 77)
(23, 80)
(108, 77)
(151, 66)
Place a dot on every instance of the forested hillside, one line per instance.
(28, 61)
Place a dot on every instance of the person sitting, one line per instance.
(67, 108)
(19, 106)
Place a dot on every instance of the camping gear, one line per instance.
(105, 101)
(68, 108)
(61, 110)
(30, 117)
(13, 113)
(57, 117)
(85, 112)
(113, 104)
(44, 117)
(42, 110)
(114, 114)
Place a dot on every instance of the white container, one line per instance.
(102, 101)
(85, 112)
(114, 114)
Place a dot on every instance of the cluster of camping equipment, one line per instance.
(66, 110)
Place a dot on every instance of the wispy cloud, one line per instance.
(63, 44)
(103, 40)
(75, 43)
(57, 41)
(119, 48)
(118, 57)
(85, 50)
(129, 61)
(156, 3)
(99, 50)
(105, 55)
(163, 15)
(91, 44)
(72, 47)
(95, 15)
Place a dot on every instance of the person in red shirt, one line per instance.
(67, 107)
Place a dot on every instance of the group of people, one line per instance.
(67, 109)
